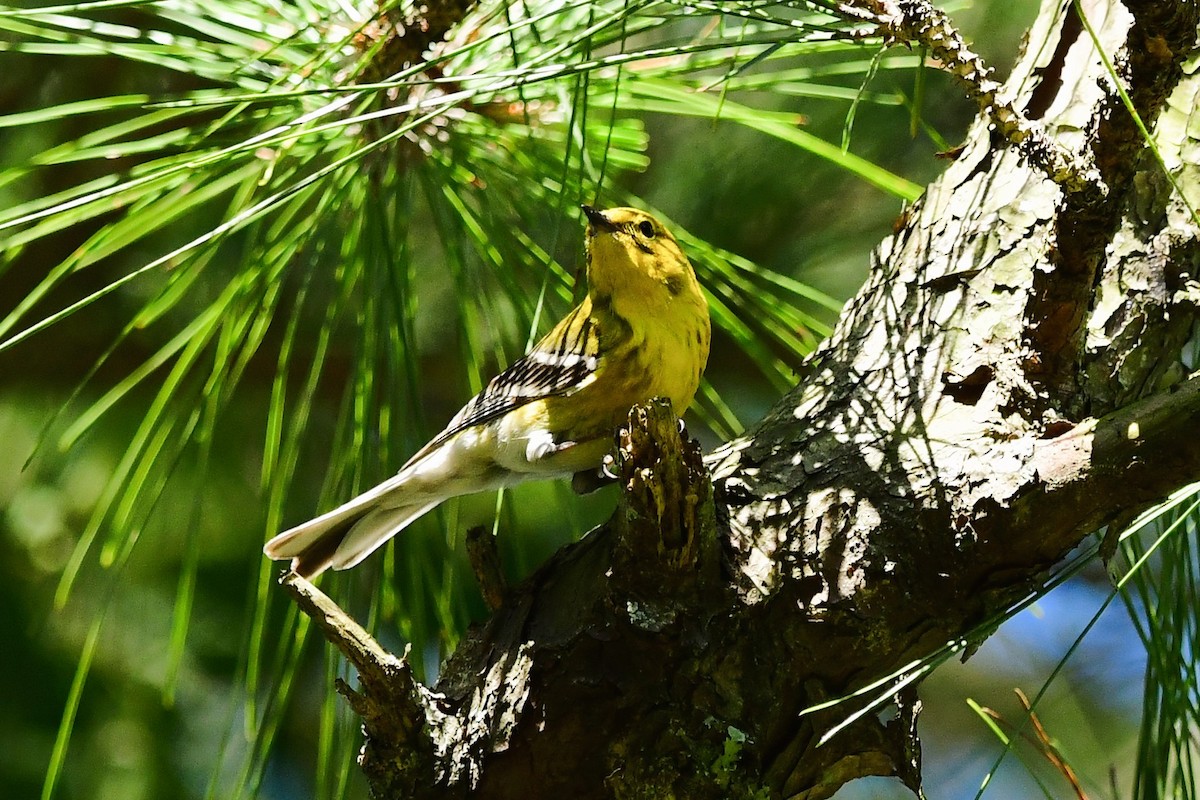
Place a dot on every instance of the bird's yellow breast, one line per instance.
(663, 359)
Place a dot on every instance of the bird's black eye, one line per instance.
(647, 228)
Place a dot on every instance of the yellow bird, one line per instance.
(641, 332)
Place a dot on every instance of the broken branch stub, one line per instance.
(398, 713)
(665, 551)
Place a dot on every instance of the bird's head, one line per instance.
(633, 259)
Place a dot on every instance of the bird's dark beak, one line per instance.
(598, 221)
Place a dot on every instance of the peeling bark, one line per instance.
(1008, 381)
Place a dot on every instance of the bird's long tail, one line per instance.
(344, 536)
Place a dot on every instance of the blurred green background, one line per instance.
(164, 709)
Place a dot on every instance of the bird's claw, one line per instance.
(607, 466)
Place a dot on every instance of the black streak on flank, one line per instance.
(675, 285)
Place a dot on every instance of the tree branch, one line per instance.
(920, 22)
(1123, 462)
(403, 725)
(485, 563)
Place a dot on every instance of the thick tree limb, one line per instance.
(1005, 383)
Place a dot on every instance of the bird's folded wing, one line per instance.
(564, 361)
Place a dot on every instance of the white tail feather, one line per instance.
(295, 541)
(375, 528)
(349, 533)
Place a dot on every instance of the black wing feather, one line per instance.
(560, 362)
